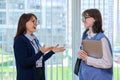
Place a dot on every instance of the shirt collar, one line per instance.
(90, 34)
(31, 37)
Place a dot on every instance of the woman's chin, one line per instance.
(86, 27)
(34, 30)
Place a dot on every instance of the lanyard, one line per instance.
(36, 44)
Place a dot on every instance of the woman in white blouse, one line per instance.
(95, 68)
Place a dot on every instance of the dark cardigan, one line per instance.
(26, 59)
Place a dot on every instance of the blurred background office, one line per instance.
(59, 21)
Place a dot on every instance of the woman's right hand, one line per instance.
(83, 55)
(46, 49)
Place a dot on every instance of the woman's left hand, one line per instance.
(83, 55)
(58, 49)
(50, 48)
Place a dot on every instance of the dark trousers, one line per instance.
(40, 73)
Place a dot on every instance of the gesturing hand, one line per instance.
(46, 49)
(58, 49)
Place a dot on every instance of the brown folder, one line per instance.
(93, 48)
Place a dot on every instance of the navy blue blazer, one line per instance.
(26, 58)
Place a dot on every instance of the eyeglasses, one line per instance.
(84, 18)
(34, 21)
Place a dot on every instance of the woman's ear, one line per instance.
(94, 20)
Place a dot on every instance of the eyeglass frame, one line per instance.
(85, 17)
(34, 21)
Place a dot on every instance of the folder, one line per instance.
(93, 48)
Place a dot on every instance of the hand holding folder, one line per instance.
(93, 48)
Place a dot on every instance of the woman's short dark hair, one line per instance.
(24, 18)
(94, 13)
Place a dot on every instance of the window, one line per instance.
(13, 17)
(2, 4)
(59, 21)
(52, 29)
(116, 39)
(36, 4)
(2, 17)
(13, 4)
(111, 22)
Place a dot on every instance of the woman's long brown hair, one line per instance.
(24, 18)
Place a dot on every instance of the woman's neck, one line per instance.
(29, 33)
(90, 30)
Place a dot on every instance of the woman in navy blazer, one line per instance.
(27, 54)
